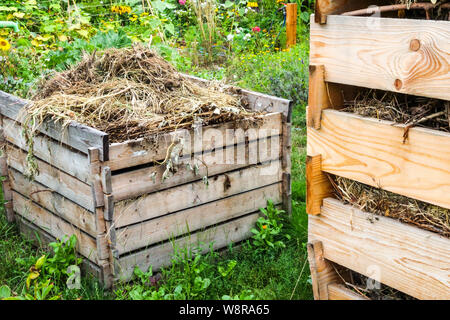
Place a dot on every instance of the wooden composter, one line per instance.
(400, 50)
(113, 198)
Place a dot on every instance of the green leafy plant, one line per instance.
(268, 233)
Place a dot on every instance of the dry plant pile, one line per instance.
(132, 93)
(401, 108)
(388, 204)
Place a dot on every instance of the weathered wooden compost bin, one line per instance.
(113, 197)
(399, 55)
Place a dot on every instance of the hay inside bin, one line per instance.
(388, 204)
(132, 93)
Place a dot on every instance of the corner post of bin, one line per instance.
(103, 248)
(286, 158)
(6, 185)
(322, 271)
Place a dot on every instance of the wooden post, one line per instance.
(318, 186)
(291, 24)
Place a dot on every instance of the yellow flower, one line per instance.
(134, 17)
(264, 227)
(4, 45)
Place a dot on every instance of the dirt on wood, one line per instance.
(132, 93)
(384, 203)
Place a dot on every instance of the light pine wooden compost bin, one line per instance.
(348, 52)
(113, 198)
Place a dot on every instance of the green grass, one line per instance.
(275, 274)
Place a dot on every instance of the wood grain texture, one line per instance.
(54, 225)
(340, 292)
(372, 152)
(375, 53)
(193, 194)
(76, 135)
(404, 257)
(52, 152)
(54, 179)
(155, 230)
(322, 272)
(141, 151)
(318, 186)
(146, 180)
(161, 255)
(53, 202)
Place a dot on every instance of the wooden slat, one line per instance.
(372, 152)
(409, 259)
(142, 151)
(142, 181)
(258, 101)
(60, 182)
(340, 292)
(161, 255)
(52, 152)
(189, 220)
(75, 135)
(54, 225)
(39, 238)
(318, 186)
(193, 194)
(376, 54)
(53, 202)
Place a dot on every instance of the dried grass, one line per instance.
(401, 108)
(388, 204)
(132, 93)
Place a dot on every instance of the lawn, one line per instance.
(257, 62)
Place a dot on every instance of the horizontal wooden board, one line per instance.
(340, 292)
(375, 53)
(142, 151)
(160, 256)
(52, 152)
(54, 225)
(163, 228)
(54, 202)
(259, 101)
(41, 238)
(75, 135)
(60, 182)
(372, 152)
(193, 194)
(146, 180)
(404, 257)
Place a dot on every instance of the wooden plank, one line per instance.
(161, 255)
(75, 135)
(318, 186)
(372, 152)
(376, 54)
(54, 202)
(409, 259)
(146, 180)
(322, 272)
(54, 179)
(191, 195)
(40, 238)
(153, 231)
(54, 225)
(257, 101)
(340, 292)
(52, 152)
(141, 151)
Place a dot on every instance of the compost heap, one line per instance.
(385, 203)
(132, 93)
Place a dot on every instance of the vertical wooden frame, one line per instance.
(318, 186)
